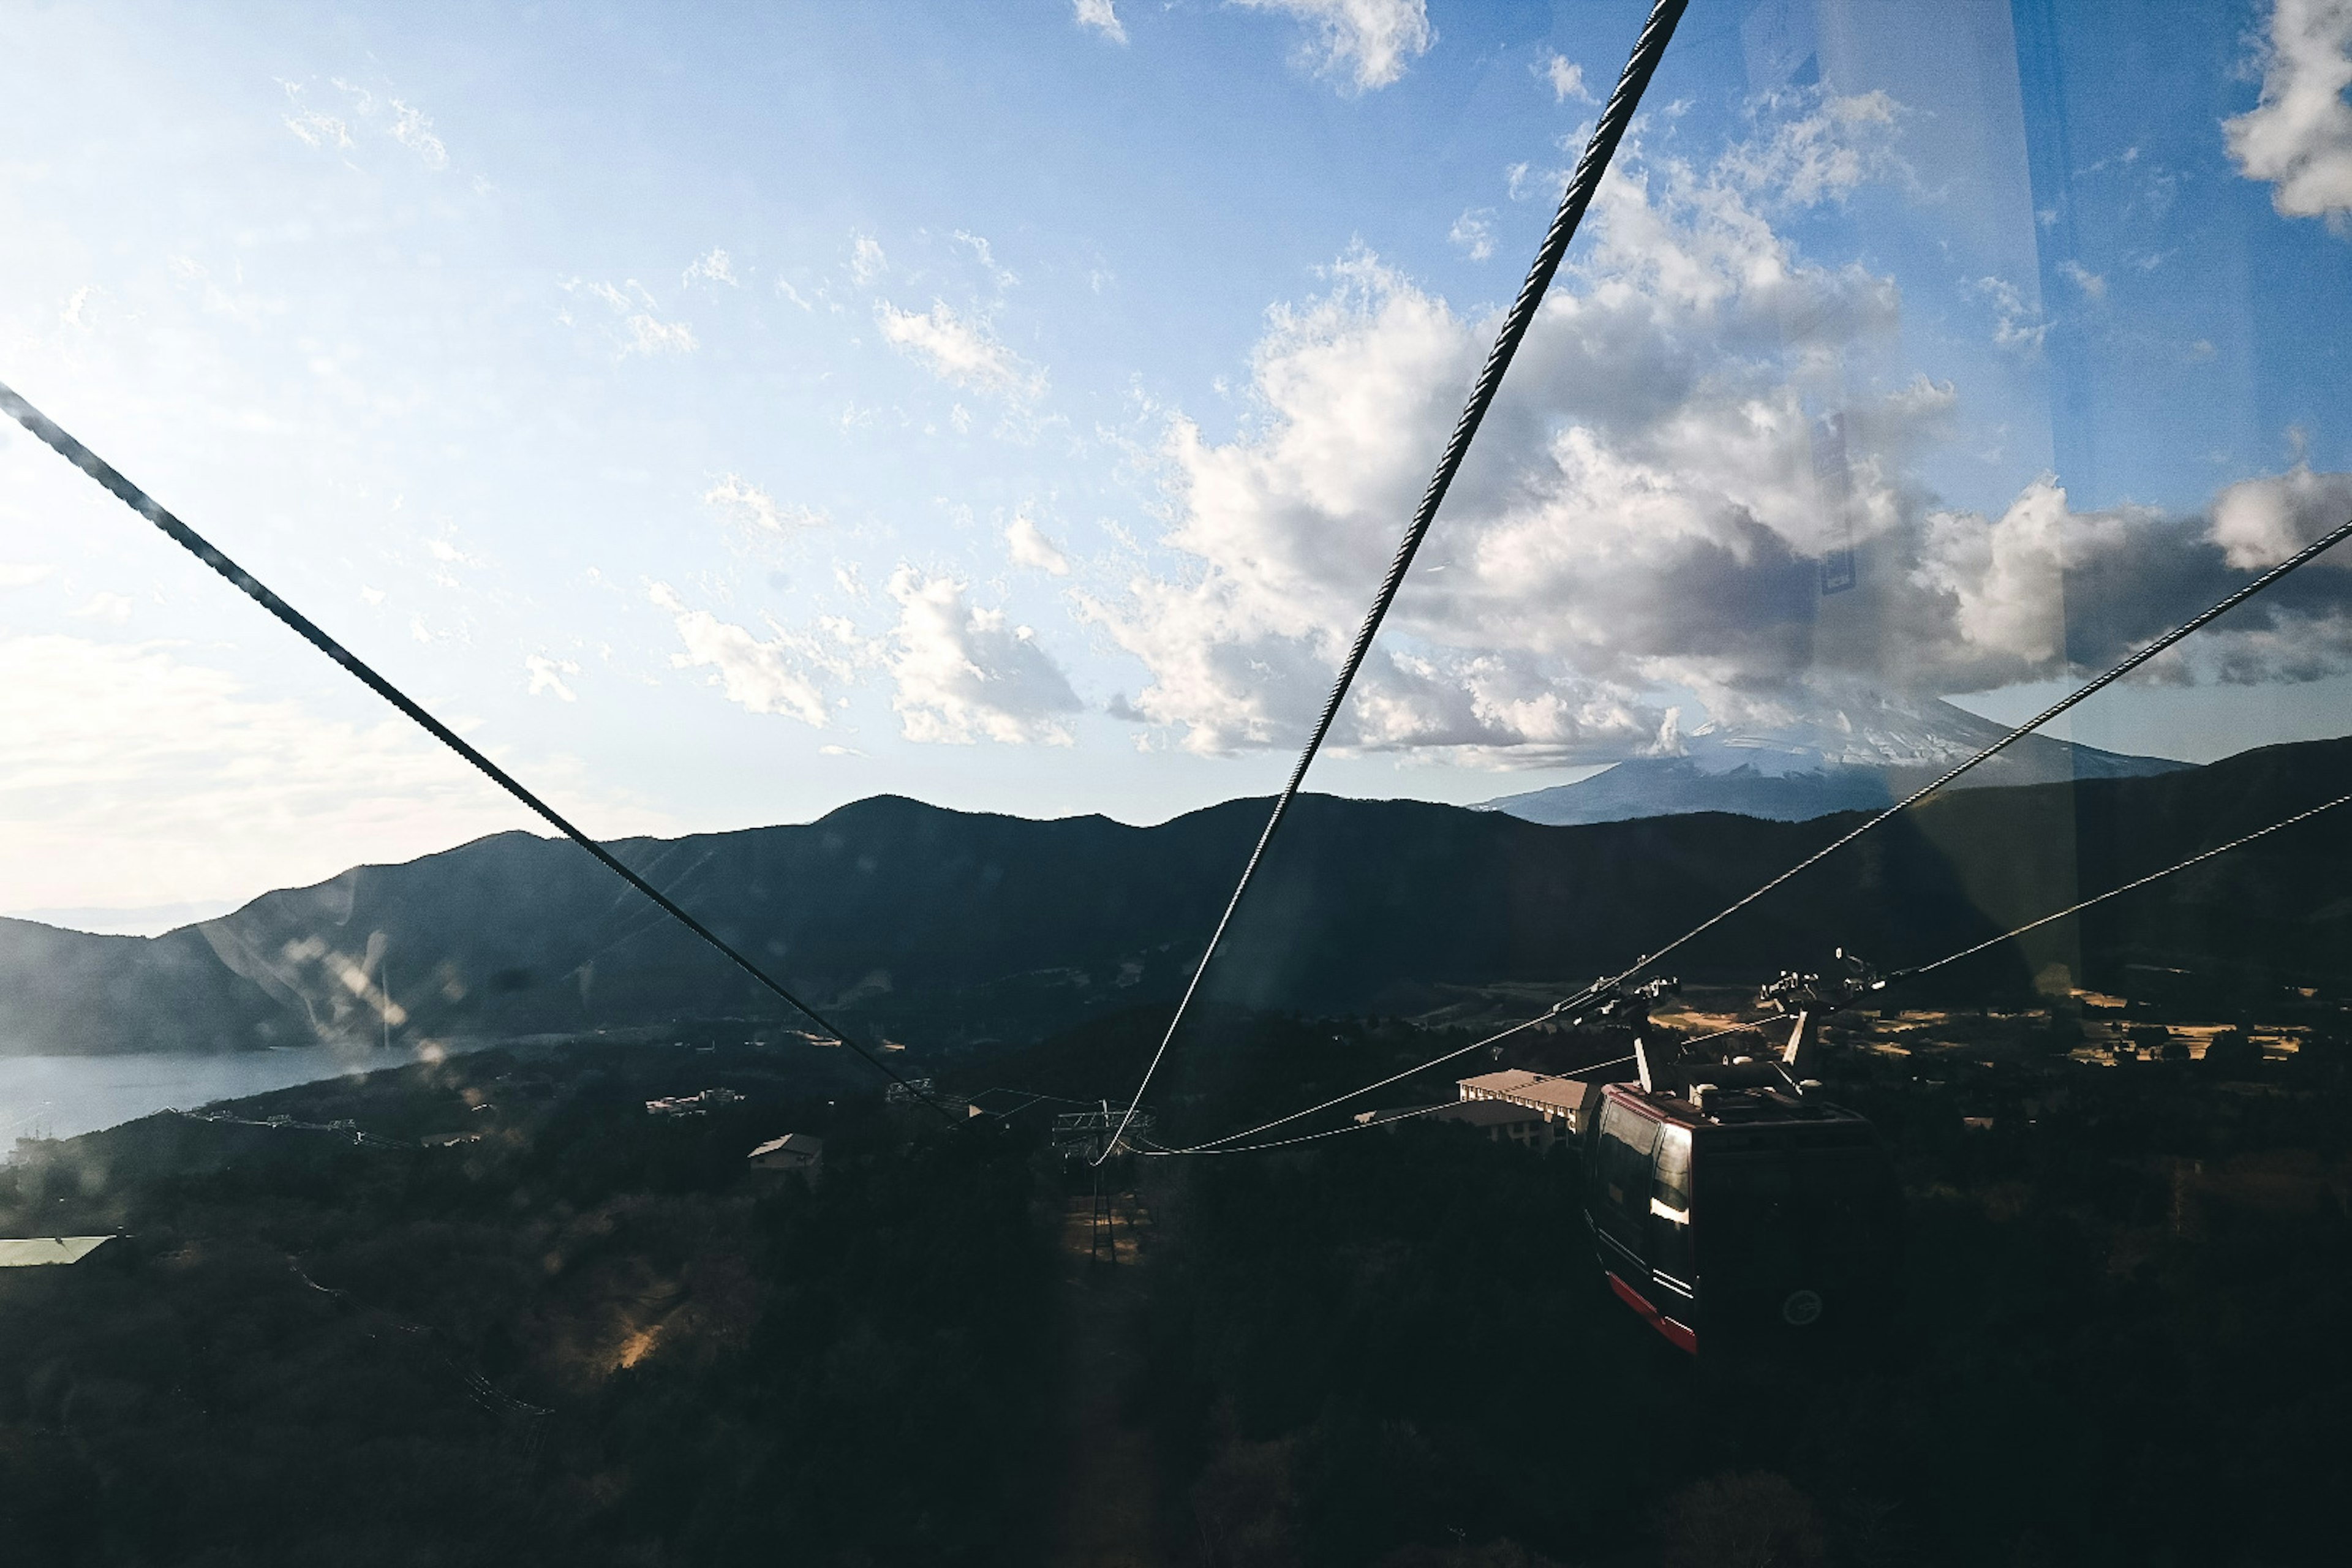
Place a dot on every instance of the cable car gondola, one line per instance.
(1728, 1202)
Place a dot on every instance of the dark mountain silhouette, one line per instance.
(948, 930)
(1863, 756)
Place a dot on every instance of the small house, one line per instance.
(793, 1151)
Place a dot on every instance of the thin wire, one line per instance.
(146, 506)
(1367, 1126)
(2307, 555)
(1354, 1093)
(1302, 1138)
(2196, 859)
(1648, 49)
(1213, 1147)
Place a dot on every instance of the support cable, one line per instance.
(146, 506)
(1599, 988)
(1521, 1028)
(1372, 1121)
(2302, 558)
(2197, 860)
(1648, 49)
(1223, 1145)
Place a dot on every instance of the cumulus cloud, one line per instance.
(2260, 522)
(2299, 138)
(1567, 78)
(1102, 16)
(960, 349)
(962, 674)
(1647, 515)
(742, 502)
(787, 673)
(1027, 544)
(23, 574)
(1367, 43)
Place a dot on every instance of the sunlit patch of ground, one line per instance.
(1106, 1517)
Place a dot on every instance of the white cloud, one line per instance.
(1368, 42)
(866, 261)
(2299, 137)
(133, 777)
(1647, 514)
(985, 253)
(2260, 522)
(23, 574)
(717, 265)
(413, 132)
(1473, 233)
(638, 329)
(786, 674)
(2006, 579)
(1102, 16)
(2094, 285)
(963, 675)
(1567, 78)
(744, 502)
(112, 609)
(960, 350)
(1824, 153)
(1027, 544)
(1641, 513)
(320, 130)
(547, 675)
(650, 335)
(2016, 324)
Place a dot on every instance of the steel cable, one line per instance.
(1648, 49)
(1222, 1146)
(146, 506)
(1374, 1119)
(2196, 859)
(2302, 558)
(1601, 987)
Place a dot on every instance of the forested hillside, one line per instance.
(947, 931)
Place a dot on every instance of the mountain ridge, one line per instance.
(1825, 763)
(951, 930)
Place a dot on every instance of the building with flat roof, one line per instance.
(693, 1104)
(1561, 1100)
(1513, 1106)
(32, 1252)
(793, 1151)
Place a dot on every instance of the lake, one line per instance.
(62, 1097)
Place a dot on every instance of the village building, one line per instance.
(793, 1151)
(33, 1252)
(693, 1104)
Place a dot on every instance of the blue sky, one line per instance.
(728, 414)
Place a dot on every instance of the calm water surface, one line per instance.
(60, 1097)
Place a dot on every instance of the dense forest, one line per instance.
(592, 1335)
